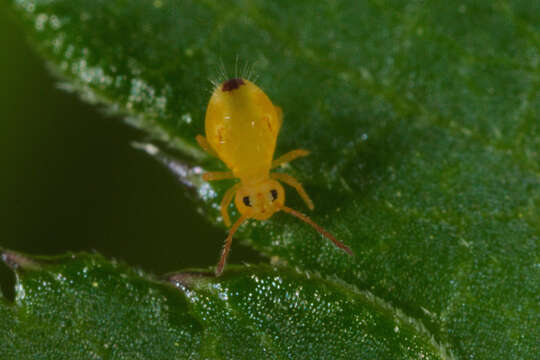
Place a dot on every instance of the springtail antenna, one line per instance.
(325, 233)
(227, 246)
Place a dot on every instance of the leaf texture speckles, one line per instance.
(85, 304)
(422, 119)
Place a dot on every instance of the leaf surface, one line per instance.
(82, 306)
(422, 120)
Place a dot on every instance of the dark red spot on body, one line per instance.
(221, 136)
(232, 84)
(268, 122)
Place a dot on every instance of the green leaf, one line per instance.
(422, 119)
(82, 304)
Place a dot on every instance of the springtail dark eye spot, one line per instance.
(246, 201)
(273, 192)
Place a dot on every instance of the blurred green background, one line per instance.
(71, 180)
